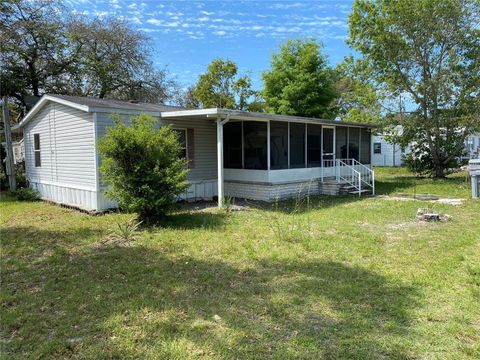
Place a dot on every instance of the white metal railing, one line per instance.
(356, 174)
(368, 175)
(352, 172)
(348, 174)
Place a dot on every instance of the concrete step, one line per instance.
(363, 191)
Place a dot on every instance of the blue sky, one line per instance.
(187, 35)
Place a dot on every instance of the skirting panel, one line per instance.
(200, 190)
(83, 199)
(196, 191)
(271, 192)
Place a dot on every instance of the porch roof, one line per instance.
(216, 113)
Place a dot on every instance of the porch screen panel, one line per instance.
(297, 145)
(278, 145)
(255, 145)
(353, 143)
(341, 142)
(232, 145)
(314, 145)
(365, 146)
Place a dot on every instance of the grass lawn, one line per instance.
(346, 278)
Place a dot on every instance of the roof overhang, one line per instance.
(213, 113)
(217, 113)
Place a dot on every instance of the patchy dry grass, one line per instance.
(366, 281)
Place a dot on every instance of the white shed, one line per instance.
(385, 153)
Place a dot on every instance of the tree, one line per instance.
(114, 62)
(221, 87)
(45, 50)
(299, 82)
(142, 166)
(188, 99)
(427, 50)
(34, 46)
(358, 100)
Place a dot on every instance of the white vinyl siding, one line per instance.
(66, 147)
(205, 142)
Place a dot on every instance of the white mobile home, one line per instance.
(231, 153)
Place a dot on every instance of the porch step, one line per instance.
(334, 188)
(363, 191)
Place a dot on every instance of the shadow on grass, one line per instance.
(136, 302)
(194, 220)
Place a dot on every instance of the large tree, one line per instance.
(358, 100)
(220, 86)
(34, 46)
(299, 81)
(45, 50)
(428, 50)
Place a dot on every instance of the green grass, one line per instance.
(399, 181)
(353, 278)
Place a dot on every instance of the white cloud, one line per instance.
(208, 13)
(286, 5)
(220, 32)
(155, 22)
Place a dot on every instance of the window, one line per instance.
(232, 145)
(353, 143)
(182, 139)
(36, 149)
(255, 145)
(278, 145)
(297, 145)
(365, 146)
(377, 148)
(341, 142)
(314, 145)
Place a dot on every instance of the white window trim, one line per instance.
(37, 150)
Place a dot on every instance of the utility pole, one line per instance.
(8, 141)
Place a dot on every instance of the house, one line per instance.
(231, 153)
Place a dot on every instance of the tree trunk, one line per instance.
(439, 171)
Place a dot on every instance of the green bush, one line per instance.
(142, 166)
(27, 194)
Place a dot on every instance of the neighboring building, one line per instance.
(18, 151)
(261, 156)
(385, 153)
(388, 154)
(472, 146)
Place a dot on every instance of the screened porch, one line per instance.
(282, 151)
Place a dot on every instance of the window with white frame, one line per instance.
(377, 148)
(36, 150)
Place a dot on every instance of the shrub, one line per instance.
(142, 166)
(27, 194)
